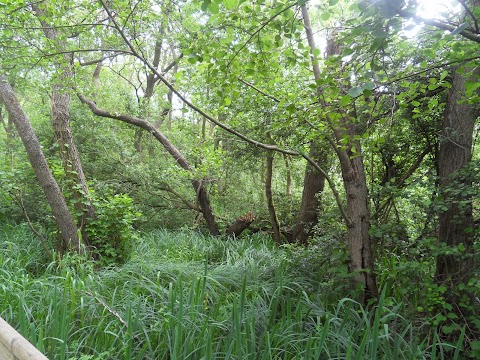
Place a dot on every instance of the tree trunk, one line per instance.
(61, 126)
(268, 194)
(69, 153)
(288, 168)
(456, 223)
(358, 238)
(354, 181)
(55, 199)
(313, 185)
(240, 224)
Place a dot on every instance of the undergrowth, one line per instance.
(182, 295)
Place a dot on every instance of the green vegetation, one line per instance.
(240, 179)
(183, 295)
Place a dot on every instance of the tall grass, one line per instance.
(186, 296)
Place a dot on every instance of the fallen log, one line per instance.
(240, 224)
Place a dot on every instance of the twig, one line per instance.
(43, 240)
(113, 312)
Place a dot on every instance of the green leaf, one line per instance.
(347, 99)
(459, 29)
(325, 16)
(214, 8)
(355, 91)
(369, 85)
(205, 5)
(231, 4)
(332, 2)
(227, 101)
(291, 108)
(380, 33)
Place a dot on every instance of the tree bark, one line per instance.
(313, 185)
(268, 194)
(240, 224)
(358, 238)
(288, 168)
(55, 199)
(354, 182)
(456, 223)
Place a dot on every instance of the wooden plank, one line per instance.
(5, 354)
(14, 346)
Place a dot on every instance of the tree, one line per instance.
(198, 185)
(61, 125)
(55, 199)
(456, 140)
(313, 185)
(346, 132)
(277, 237)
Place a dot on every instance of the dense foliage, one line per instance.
(330, 148)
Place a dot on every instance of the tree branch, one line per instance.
(468, 34)
(258, 90)
(171, 149)
(257, 31)
(469, 12)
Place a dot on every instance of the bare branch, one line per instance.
(468, 34)
(258, 30)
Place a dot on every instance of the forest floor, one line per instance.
(182, 295)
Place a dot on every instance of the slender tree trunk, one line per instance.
(268, 194)
(288, 167)
(69, 153)
(313, 185)
(55, 199)
(456, 223)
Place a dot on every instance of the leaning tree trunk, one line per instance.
(268, 194)
(313, 185)
(61, 126)
(198, 185)
(55, 199)
(354, 181)
(456, 223)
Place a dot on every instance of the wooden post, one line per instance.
(14, 346)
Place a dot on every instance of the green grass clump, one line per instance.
(186, 296)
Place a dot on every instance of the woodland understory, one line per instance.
(188, 179)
